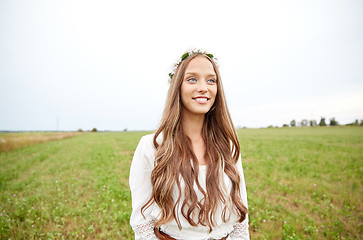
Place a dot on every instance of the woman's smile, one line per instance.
(201, 99)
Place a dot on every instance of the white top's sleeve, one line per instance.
(141, 189)
(240, 230)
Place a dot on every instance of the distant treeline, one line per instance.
(322, 123)
(95, 130)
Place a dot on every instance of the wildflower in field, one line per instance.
(14, 195)
(264, 220)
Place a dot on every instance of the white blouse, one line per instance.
(141, 190)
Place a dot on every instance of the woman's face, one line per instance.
(199, 86)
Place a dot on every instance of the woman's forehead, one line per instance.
(200, 64)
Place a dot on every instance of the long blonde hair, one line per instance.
(175, 160)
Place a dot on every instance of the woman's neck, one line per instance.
(192, 126)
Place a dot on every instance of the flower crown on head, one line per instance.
(185, 56)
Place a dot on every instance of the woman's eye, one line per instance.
(211, 81)
(192, 80)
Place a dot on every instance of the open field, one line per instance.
(302, 183)
(12, 141)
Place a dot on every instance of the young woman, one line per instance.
(187, 180)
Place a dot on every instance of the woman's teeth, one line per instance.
(201, 99)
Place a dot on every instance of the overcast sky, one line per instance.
(82, 64)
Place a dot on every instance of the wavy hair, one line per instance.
(177, 165)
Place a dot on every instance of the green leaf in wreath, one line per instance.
(185, 55)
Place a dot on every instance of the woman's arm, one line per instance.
(141, 189)
(240, 230)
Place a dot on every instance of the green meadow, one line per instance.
(302, 183)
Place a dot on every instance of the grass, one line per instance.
(302, 183)
(12, 141)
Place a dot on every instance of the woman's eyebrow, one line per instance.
(195, 73)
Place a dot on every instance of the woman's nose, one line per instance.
(202, 87)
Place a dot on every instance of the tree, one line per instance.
(312, 123)
(94, 130)
(293, 123)
(333, 122)
(355, 123)
(304, 122)
(322, 122)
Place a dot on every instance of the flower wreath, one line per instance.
(185, 56)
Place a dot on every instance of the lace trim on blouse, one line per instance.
(240, 231)
(145, 231)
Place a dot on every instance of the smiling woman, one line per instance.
(187, 179)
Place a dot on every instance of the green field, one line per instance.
(302, 183)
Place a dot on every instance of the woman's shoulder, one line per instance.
(147, 137)
(148, 140)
